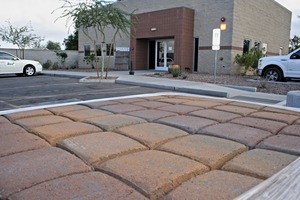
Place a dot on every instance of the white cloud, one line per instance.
(38, 12)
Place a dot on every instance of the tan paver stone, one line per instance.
(153, 173)
(111, 122)
(56, 132)
(151, 134)
(246, 105)
(242, 134)
(99, 147)
(152, 104)
(99, 104)
(223, 101)
(3, 120)
(236, 109)
(27, 114)
(283, 143)
(297, 122)
(259, 163)
(217, 115)
(15, 142)
(8, 128)
(210, 151)
(214, 185)
(122, 108)
(24, 170)
(88, 186)
(180, 109)
(32, 122)
(291, 130)
(285, 118)
(173, 100)
(63, 109)
(282, 111)
(81, 115)
(151, 115)
(188, 123)
(268, 125)
(204, 103)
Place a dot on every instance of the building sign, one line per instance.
(216, 39)
(125, 49)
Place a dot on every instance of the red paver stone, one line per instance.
(153, 173)
(242, 134)
(236, 109)
(151, 115)
(111, 122)
(180, 109)
(151, 134)
(282, 111)
(246, 105)
(3, 120)
(99, 104)
(210, 151)
(122, 108)
(88, 186)
(81, 115)
(268, 125)
(26, 114)
(204, 103)
(285, 118)
(24, 170)
(99, 147)
(217, 115)
(297, 122)
(173, 100)
(8, 128)
(56, 132)
(63, 109)
(32, 122)
(15, 142)
(152, 104)
(214, 185)
(130, 100)
(284, 143)
(259, 163)
(291, 130)
(188, 123)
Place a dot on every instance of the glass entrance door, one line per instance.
(164, 52)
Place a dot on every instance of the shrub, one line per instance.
(175, 72)
(90, 60)
(47, 64)
(55, 66)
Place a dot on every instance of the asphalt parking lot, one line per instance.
(19, 92)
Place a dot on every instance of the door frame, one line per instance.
(165, 67)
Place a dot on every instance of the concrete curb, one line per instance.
(88, 80)
(244, 88)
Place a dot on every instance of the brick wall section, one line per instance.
(177, 23)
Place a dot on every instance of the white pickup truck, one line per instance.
(280, 68)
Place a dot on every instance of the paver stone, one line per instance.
(285, 118)
(151, 115)
(217, 115)
(291, 130)
(27, 114)
(81, 115)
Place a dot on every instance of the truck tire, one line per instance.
(273, 74)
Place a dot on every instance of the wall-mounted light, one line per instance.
(153, 29)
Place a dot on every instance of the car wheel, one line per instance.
(273, 74)
(29, 70)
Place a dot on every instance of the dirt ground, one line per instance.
(251, 81)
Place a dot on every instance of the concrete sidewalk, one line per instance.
(149, 147)
(239, 93)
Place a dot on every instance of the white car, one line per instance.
(10, 64)
(279, 68)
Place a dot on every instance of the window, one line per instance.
(108, 47)
(98, 50)
(246, 47)
(87, 50)
(296, 55)
(6, 56)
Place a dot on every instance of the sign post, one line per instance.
(216, 46)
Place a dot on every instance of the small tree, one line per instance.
(71, 42)
(55, 46)
(249, 60)
(62, 56)
(294, 43)
(22, 37)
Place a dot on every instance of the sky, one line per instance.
(39, 14)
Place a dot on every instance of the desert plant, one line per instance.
(47, 64)
(62, 56)
(55, 66)
(90, 60)
(262, 82)
(175, 72)
(249, 60)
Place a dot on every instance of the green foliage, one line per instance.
(54, 46)
(71, 42)
(91, 59)
(62, 56)
(294, 43)
(55, 66)
(175, 72)
(47, 64)
(249, 60)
